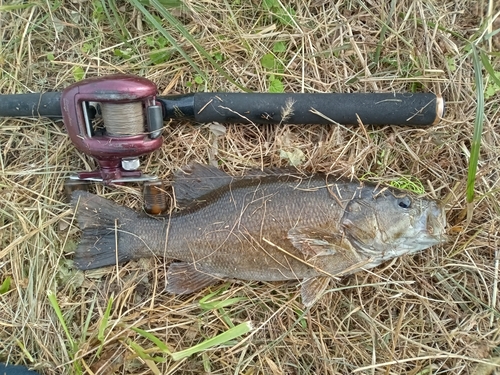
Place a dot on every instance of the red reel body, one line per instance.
(131, 124)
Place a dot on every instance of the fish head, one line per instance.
(388, 223)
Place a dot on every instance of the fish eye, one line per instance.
(404, 202)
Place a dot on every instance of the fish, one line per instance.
(270, 225)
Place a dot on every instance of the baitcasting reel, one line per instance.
(115, 120)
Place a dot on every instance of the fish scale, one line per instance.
(234, 223)
(268, 226)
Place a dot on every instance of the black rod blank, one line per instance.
(46, 104)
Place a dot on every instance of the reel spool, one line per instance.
(114, 119)
(123, 119)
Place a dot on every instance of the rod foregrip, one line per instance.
(46, 104)
(417, 109)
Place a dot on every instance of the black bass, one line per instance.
(265, 226)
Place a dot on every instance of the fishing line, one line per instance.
(123, 119)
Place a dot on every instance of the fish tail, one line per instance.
(105, 226)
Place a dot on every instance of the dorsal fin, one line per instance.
(196, 180)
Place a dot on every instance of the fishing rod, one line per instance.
(115, 119)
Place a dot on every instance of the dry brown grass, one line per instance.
(434, 313)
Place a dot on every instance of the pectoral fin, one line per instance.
(185, 278)
(312, 289)
(317, 242)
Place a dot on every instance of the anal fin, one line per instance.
(185, 278)
(312, 289)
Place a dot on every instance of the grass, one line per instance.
(478, 130)
(433, 313)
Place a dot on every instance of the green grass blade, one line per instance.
(88, 319)
(489, 68)
(148, 360)
(160, 344)
(478, 126)
(221, 339)
(57, 310)
(210, 303)
(220, 304)
(205, 359)
(165, 3)
(103, 325)
(4, 288)
(25, 351)
(175, 22)
(116, 19)
(167, 36)
(142, 353)
(105, 319)
(383, 32)
(6, 8)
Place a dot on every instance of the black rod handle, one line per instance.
(417, 109)
(46, 104)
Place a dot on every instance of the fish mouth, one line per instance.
(428, 230)
(434, 224)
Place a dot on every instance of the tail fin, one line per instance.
(103, 224)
